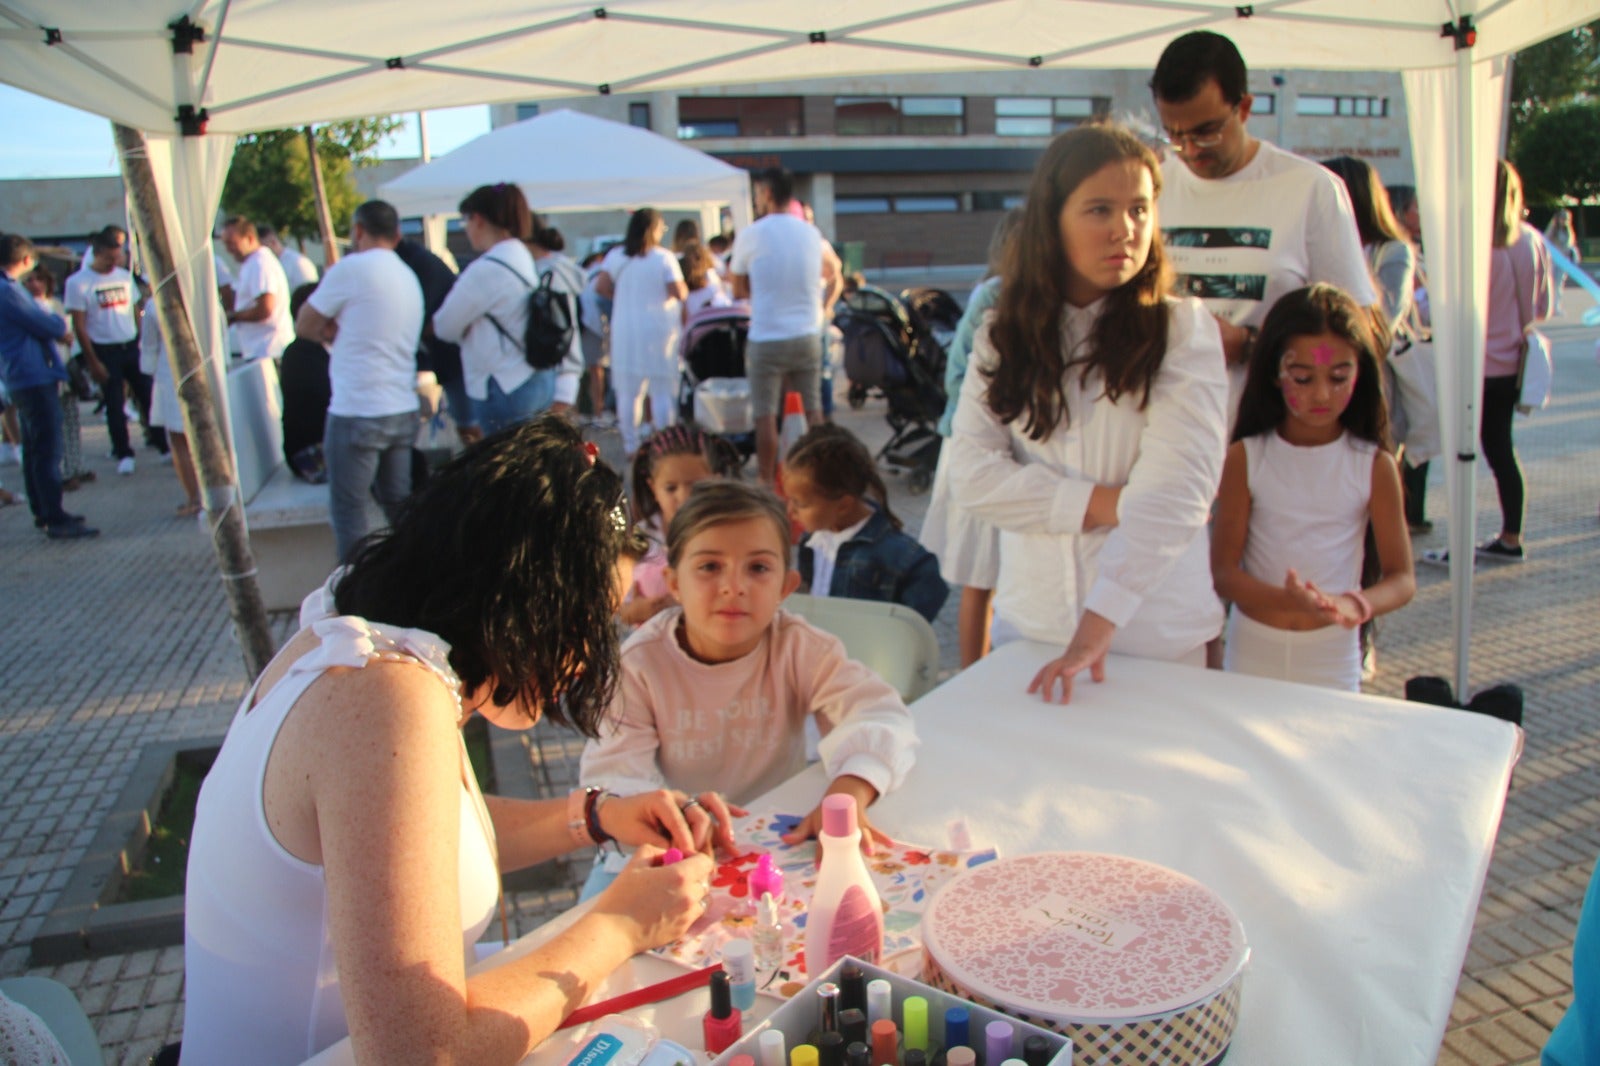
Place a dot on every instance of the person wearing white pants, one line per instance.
(645, 286)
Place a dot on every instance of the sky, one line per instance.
(45, 139)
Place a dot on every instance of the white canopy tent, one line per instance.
(194, 73)
(569, 161)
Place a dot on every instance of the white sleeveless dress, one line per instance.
(261, 983)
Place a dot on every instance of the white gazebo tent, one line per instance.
(194, 73)
(566, 160)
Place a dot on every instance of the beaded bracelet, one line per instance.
(591, 815)
(577, 817)
(1364, 604)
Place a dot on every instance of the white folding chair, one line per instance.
(891, 640)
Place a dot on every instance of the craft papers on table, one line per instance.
(906, 877)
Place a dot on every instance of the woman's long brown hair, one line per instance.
(1129, 340)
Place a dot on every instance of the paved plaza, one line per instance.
(110, 645)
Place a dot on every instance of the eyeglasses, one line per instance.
(1208, 135)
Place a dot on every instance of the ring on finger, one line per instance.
(692, 803)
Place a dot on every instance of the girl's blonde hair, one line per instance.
(719, 501)
(1507, 204)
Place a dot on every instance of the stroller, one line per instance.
(896, 346)
(712, 390)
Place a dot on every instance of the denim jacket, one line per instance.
(883, 563)
(28, 356)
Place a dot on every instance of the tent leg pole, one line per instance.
(319, 193)
(229, 538)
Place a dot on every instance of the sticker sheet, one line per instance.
(906, 876)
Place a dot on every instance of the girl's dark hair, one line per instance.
(1375, 219)
(1129, 340)
(684, 439)
(839, 465)
(685, 233)
(502, 206)
(1401, 197)
(718, 502)
(1306, 313)
(508, 553)
(697, 263)
(46, 275)
(545, 235)
(642, 223)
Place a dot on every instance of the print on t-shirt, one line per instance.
(1217, 237)
(1223, 286)
(109, 296)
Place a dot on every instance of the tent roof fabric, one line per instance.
(569, 161)
(269, 64)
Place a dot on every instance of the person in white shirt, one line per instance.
(368, 311)
(548, 248)
(260, 314)
(104, 303)
(1092, 425)
(487, 312)
(789, 274)
(1243, 220)
(645, 286)
(297, 268)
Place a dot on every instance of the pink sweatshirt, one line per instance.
(1521, 291)
(739, 727)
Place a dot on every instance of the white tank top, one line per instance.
(261, 982)
(1308, 510)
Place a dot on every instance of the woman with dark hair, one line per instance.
(487, 311)
(685, 233)
(700, 276)
(1093, 430)
(645, 285)
(344, 863)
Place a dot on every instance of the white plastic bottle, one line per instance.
(846, 915)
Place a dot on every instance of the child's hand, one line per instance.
(666, 818)
(1330, 610)
(1088, 649)
(864, 794)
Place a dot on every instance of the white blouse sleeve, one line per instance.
(867, 731)
(1167, 500)
(985, 474)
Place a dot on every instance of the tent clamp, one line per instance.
(1464, 32)
(605, 90)
(819, 36)
(52, 36)
(395, 62)
(1036, 61)
(185, 35)
(1466, 457)
(192, 123)
(1244, 11)
(600, 13)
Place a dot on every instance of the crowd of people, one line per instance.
(1172, 432)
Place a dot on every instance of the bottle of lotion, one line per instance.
(846, 916)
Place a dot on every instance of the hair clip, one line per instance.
(619, 518)
(591, 450)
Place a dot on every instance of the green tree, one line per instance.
(1558, 154)
(1552, 72)
(270, 178)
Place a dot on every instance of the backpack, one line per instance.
(552, 321)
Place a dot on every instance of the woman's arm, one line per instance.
(529, 832)
(470, 299)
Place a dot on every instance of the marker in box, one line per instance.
(955, 1029)
(915, 1015)
(880, 1001)
(997, 1042)
(771, 1044)
(803, 1055)
(885, 1043)
(1036, 1050)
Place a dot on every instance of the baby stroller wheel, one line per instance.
(919, 481)
(857, 397)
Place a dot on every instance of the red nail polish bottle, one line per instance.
(722, 1025)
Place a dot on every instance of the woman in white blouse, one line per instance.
(487, 312)
(1094, 431)
(645, 286)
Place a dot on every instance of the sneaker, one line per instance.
(71, 531)
(1435, 557)
(125, 466)
(1499, 551)
(72, 519)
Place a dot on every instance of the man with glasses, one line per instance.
(1244, 221)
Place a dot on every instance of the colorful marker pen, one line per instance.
(961, 1056)
(828, 1007)
(853, 1025)
(830, 1049)
(722, 1026)
(857, 1054)
(802, 1055)
(996, 1042)
(1036, 1050)
(880, 1001)
(771, 1044)
(885, 1043)
(915, 1011)
(852, 987)
(955, 1029)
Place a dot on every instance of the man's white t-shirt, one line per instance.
(260, 273)
(645, 320)
(782, 257)
(1277, 224)
(372, 363)
(297, 268)
(107, 302)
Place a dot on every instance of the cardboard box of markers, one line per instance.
(801, 1020)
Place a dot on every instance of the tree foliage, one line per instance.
(1558, 154)
(270, 179)
(1551, 73)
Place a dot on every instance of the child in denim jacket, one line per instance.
(854, 545)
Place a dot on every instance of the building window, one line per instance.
(639, 115)
(997, 201)
(899, 116)
(1044, 116)
(907, 204)
(1342, 106)
(1264, 104)
(525, 111)
(739, 116)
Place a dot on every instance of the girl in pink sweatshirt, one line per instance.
(715, 693)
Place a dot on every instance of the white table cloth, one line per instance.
(1350, 834)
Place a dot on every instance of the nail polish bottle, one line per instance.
(880, 1001)
(885, 1043)
(857, 1054)
(830, 1049)
(722, 1025)
(773, 1051)
(852, 987)
(739, 962)
(1036, 1051)
(853, 1025)
(997, 1042)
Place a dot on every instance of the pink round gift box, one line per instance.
(1133, 962)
